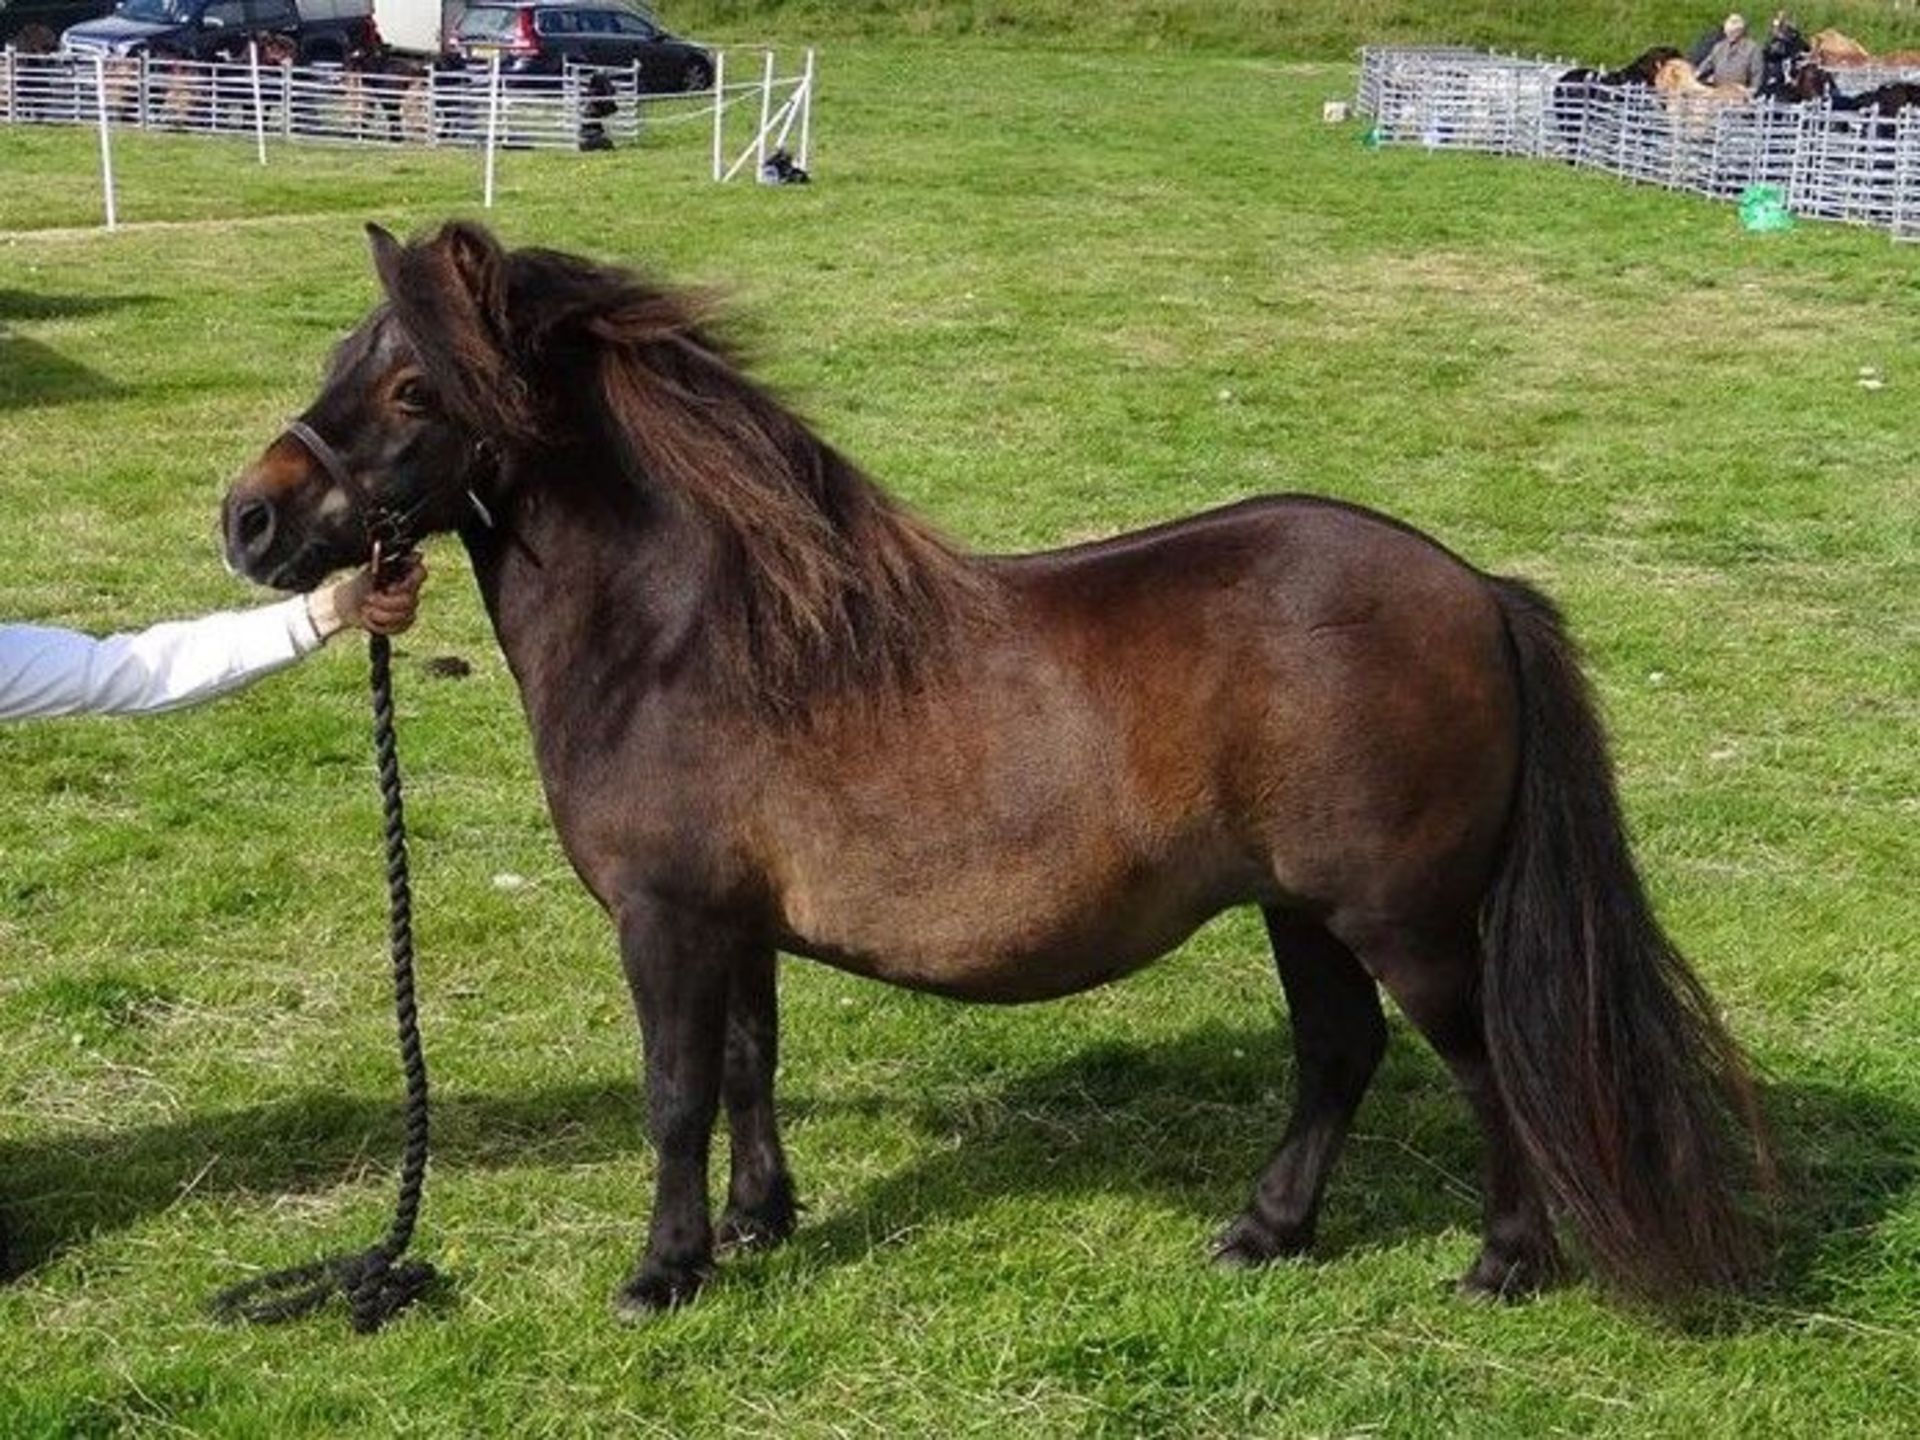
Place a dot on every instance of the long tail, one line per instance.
(1627, 1093)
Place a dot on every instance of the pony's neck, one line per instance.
(591, 586)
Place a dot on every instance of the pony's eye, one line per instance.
(411, 395)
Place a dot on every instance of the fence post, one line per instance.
(13, 82)
(1903, 137)
(286, 99)
(259, 107)
(106, 143)
(493, 127)
(719, 108)
(806, 113)
(766, 117)
(637, 93)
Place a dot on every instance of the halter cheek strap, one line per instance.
(316, 445)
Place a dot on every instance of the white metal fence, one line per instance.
(1855, 78)
(480, 108)
(1832, 164)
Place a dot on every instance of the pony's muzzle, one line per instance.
(251, 525)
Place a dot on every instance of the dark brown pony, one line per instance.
(774, 712)
(1885, 101)
(1803, 82)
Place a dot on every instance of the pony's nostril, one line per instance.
(253, 528)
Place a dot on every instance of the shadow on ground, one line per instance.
(33, 373)
(1188, 1121)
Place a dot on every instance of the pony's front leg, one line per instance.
(678, 966)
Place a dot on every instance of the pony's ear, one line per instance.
(386, 255)
(476, 259)
(449, 295)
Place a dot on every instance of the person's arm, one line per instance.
(46, 672)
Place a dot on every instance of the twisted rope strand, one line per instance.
(376, 1283)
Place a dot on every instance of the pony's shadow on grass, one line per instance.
(33, 373)
(1192, 1121)
(1187, 1122)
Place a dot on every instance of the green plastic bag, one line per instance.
(1370, 138)
(1764, 208)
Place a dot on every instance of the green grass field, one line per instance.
(1044, 296)
(1609, 31)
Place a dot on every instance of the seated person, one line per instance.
(1735, 60)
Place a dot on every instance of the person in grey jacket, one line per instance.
(1736, 60)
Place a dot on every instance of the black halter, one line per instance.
(376, 518)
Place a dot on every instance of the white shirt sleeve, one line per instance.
(46, 672)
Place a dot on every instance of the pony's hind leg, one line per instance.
(1338, 1038)
(1435, 984)
(761, 1210)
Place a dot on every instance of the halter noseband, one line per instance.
(316, 445)
(374, 517)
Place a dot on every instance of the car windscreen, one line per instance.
(158, 12)
(489, 22)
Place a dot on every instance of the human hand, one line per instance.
(353, 600)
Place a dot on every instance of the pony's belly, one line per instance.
(1001, 974)
(1004, 941)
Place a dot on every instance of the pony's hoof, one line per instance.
(654, 1292)
(1249, 1242)
(1508, 1279)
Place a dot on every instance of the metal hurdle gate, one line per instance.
(1832, 164)
(477, 108)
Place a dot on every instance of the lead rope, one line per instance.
(377, 1282)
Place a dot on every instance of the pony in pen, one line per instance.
(1577, 91)
(774, 712)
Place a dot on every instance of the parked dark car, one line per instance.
(542, 37)
(46, 16)
(217, 30)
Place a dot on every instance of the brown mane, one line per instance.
(822, 584)
(825, 584)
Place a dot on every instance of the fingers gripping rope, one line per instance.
(377, 1283)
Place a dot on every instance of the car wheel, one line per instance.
(698, 75)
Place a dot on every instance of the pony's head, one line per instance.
(492, 381)
(418, 406)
